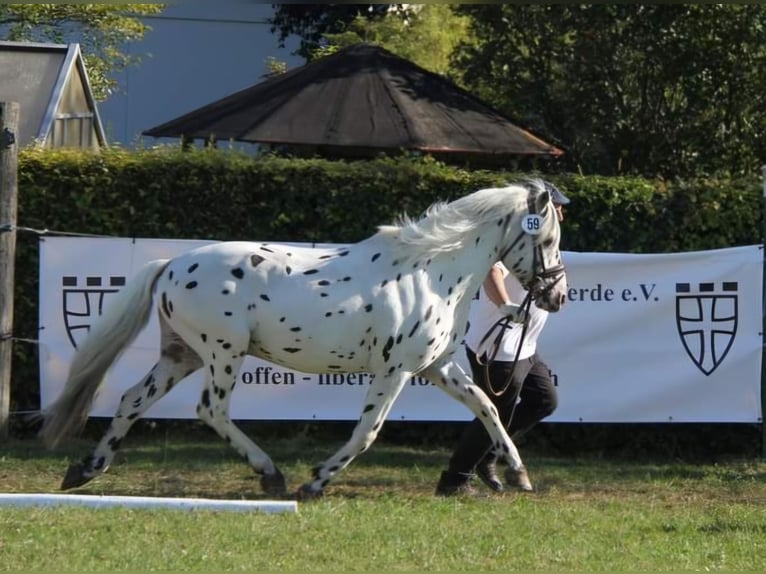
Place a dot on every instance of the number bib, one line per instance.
(532, 224)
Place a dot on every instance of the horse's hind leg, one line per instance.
(221, 373)
(380, 397)
(177, 361)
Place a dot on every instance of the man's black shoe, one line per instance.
(486, 470)
(455, 484)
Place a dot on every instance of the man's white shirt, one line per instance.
(484, 314)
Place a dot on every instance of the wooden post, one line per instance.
(9, 122)
(763, 310)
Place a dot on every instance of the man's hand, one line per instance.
(514, 312)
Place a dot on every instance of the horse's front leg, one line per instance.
(451, 377)
(379, 399)
(221, 372)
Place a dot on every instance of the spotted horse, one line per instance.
(394, 305)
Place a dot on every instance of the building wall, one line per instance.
(74, 123)
(195, 53)
(28, 77)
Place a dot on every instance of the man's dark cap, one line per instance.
(556, 195)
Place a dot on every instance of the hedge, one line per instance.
(224, 195)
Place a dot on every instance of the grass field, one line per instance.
(588, 513)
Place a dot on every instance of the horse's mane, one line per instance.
(447, 226)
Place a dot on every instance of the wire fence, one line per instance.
(8, 228)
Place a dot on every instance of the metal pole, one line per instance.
(763, 311)
(9, 122)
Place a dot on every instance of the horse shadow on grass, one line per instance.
(211, 469)
(172, 459)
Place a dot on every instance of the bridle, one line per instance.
(535, 288)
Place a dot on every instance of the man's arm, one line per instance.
(494, 287)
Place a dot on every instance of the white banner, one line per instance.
(643, 338)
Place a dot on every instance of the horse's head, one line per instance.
(534, 256)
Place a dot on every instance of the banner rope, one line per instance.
(8, 227)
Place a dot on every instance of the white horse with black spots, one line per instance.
(394, 305)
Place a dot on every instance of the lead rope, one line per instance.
(501, 325)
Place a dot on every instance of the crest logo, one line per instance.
(707, 321)
(84, 301)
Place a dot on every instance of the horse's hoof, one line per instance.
(274, 483)
(75, 476)
(305, 493)
(518, 479)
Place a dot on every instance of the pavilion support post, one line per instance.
(9, 123)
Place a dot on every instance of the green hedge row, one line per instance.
(215, 194)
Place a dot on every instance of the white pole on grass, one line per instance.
(96, 501)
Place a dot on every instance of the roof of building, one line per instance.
(35, 75)
(361, 97)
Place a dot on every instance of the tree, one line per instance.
(100, 29)
(646, 89)
(426, 34)
(313, 21)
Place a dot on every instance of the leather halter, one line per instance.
(536, 287)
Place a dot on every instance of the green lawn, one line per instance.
(587, 514)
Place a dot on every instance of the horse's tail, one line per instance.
(126, 315)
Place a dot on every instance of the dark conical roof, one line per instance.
(362, 96)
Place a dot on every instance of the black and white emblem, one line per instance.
(706, 316)
(84, 301)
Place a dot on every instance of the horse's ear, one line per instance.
(543, 198)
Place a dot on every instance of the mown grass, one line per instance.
(588, 513)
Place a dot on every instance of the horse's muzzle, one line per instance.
(549, 289)
(551, 300)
